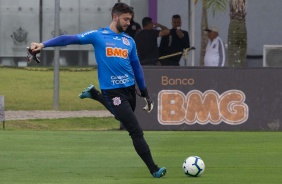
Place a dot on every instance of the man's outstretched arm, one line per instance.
(62, 40)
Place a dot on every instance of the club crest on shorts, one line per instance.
(116, 101)
(125, 41)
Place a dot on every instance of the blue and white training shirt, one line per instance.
(116, 56)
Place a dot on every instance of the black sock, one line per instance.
(147, 158)
(144, 152)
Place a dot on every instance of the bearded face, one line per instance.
(123, 21)
(119, 27)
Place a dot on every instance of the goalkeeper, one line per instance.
(118, 69)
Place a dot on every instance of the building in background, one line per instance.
(23, 21)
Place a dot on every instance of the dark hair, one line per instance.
(176, 16)
(120, 8)
(146, 21)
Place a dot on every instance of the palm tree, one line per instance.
(216, 6)
(237, 34)
(204, 36)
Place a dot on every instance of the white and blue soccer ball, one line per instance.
(193, 166)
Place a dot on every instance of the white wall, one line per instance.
(140, 9)
(263, 24)
(15, 14)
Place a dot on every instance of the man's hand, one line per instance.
(31, 56)
(149, 102)
(36, 47)
(179, 32)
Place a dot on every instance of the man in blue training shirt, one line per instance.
(118, 69)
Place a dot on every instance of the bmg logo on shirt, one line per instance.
(116, 52)
(122, 79)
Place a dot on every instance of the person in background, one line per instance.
(176, 41)
(118, 70)
(215, 51)
(147, 41)
(133, 28)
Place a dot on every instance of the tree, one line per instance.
(204, 36)
(216, 6)
(237, 34)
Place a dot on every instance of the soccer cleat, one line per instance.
(86, 92)
(160, 173)
(31, 56)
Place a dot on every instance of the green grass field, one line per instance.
(33, 90)
(103, 157)
(92, 150)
